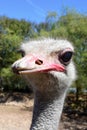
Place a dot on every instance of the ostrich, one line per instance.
(47, 64)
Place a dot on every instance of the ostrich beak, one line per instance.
(32, 64)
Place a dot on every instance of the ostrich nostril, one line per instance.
(39, 62)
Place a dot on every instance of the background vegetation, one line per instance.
(71, 25)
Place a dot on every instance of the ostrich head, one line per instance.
(48, 66)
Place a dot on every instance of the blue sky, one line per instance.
(36, 10)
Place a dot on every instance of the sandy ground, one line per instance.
(16, 115)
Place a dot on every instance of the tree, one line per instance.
(71, 25)
(51, 20)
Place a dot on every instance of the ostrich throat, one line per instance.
(48, 102)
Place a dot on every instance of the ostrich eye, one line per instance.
(21, 52)
(66, 57)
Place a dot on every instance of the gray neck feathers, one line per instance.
(48, 105)
(47, 113)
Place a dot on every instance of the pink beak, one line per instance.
(31, 64)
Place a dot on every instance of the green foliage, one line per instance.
(61, 32)
(13, 26)
(8, 46)
(51, 20)
(44, 33)
(71, 25)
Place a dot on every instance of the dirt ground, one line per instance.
(17, 115)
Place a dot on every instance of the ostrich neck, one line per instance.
(47, 111)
